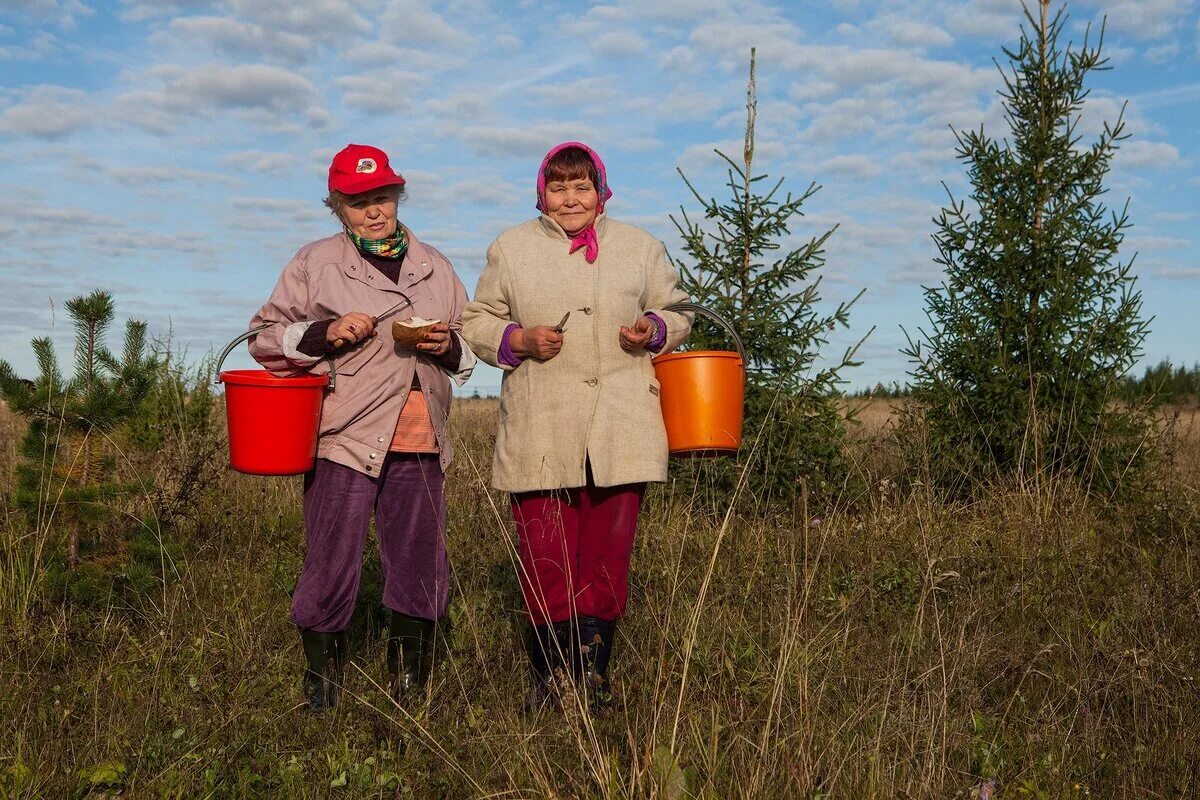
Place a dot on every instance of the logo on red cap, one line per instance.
(365, 165)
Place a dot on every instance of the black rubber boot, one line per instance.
(409, 653)
(549, 651)
(326, 655)
(594, 647)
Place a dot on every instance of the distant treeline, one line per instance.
(1170, 383)
(884, 390)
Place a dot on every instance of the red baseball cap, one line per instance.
(360, 168)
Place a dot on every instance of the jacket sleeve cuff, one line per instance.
(660, 333)
(294, 336)
(505, 354)
(460, 362)
(313, 342)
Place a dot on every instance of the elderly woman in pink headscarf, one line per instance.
(571, 306)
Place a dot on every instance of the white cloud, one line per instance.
(1160, 53)
(55, 215)
(1185, 273)
(49, 112)
(1173, 217)
(269, 95)
(321, 20)
(998, 20)
(260, 161)
(598, 89)
(703, 156)
(475, 104)
(908, 32)
(122, 242)
(729, 42)
(417, 25)
(368, 93)
(241, 39)
(63, 13)
(375, 54)
(40, 45)
(853, 166)
(1145, 19)
(253, 212)
(527, 141)
(141, 10)
(1141, 154)
(139, 177)
(618, 44)
(1144, 243)
(508, 43)
(680, 58)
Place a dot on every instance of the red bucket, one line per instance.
(273, 422)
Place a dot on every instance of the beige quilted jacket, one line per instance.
(593, 400)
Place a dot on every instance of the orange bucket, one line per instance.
(273, 422)
(702, 393)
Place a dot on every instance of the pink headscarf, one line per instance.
(586, 238)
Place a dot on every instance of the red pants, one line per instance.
(575, 549)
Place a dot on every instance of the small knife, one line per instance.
(404, 303)
(562, 323)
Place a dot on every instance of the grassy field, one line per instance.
(1033, 644)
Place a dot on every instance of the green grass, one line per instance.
(897, 648)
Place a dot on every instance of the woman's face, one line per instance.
(371, 215)
(572, 203)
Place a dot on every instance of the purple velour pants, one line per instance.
(410, 521)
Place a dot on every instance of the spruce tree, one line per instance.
(66, 478)
(794, 425)
(1036, 320)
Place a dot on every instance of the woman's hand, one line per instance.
(436, 340)
(637, 337)
(350, 329)
(540, 342)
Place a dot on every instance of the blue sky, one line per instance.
(174, 152)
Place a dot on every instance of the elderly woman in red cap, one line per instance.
(571, 306)
(383, 447)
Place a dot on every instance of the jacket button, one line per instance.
(591, 381)
(587, 309)
(380, 439)
(372, 456)
(369, 468)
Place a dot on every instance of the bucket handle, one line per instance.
(715, 317)
(229, 349)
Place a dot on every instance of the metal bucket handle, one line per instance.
(229, 349)
(715, 317)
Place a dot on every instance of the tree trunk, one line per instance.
(748, 157)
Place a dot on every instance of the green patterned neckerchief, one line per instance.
(393, 247)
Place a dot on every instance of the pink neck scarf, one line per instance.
(586, 238)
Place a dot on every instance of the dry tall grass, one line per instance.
(1022, 646)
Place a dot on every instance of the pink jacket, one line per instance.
(329, 278)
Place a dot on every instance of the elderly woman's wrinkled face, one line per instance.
(572, 203)
(371, 215)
